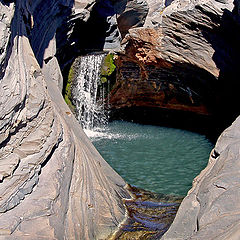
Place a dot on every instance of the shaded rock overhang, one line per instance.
(185, 59)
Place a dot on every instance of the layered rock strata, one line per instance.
(53, 182)
(186, 58)
(183, 58)
(110, 19)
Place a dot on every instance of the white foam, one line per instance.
(95, 134)
(104, 133)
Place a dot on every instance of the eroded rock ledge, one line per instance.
(184, 58)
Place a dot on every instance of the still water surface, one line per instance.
(159, 159)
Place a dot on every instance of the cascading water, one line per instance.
(88, 93)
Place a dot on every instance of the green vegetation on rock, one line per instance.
(68, 89)
(108, 67)
(107, 79)
(107, 74)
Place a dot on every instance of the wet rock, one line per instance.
(149, 215)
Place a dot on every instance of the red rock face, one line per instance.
(145, 79)
(184, 58)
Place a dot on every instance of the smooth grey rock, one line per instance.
(133, 15)
(51, 175)
(113, 40)
(6, 15)
(178, 43)
(155, 9)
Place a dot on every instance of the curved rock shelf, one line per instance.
(185, 59)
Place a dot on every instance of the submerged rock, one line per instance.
(149, 215)
(186, 58)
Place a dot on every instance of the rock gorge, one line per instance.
(177, 55)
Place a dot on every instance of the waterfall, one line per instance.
(88, 92)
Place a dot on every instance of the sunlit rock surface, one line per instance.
(53, 183)
(186, 58)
